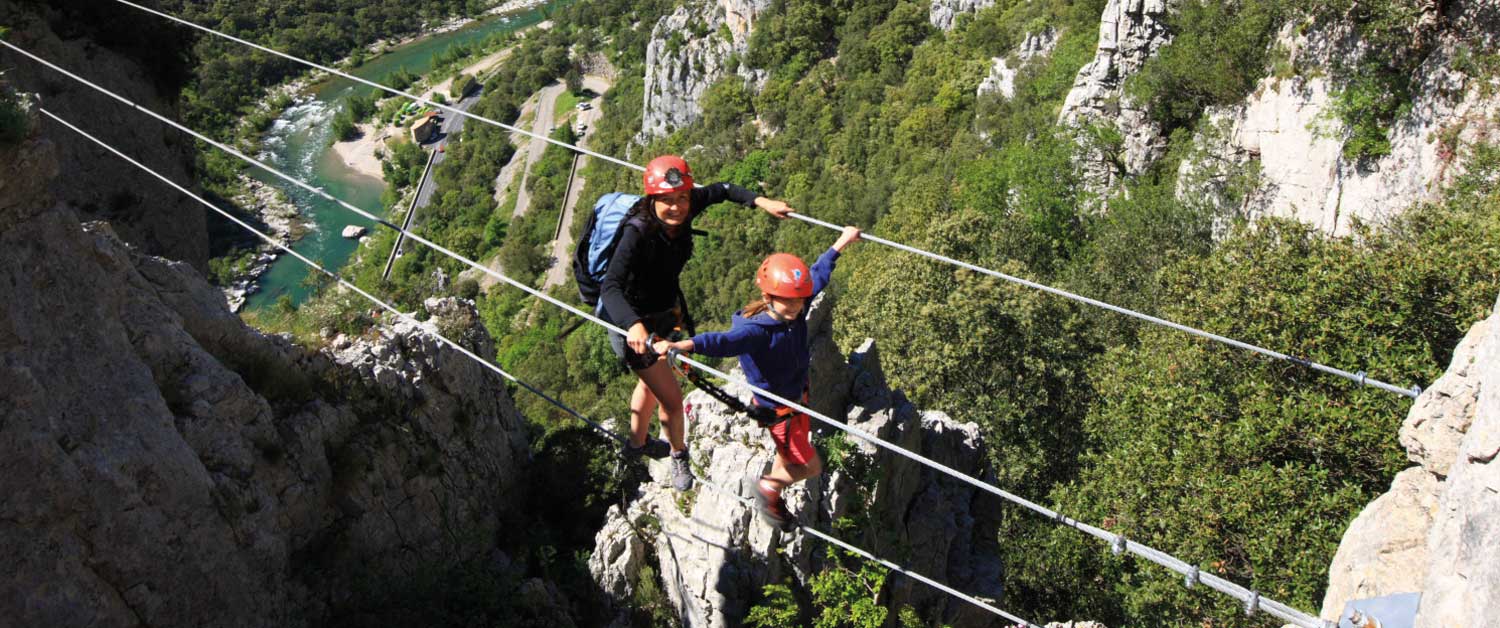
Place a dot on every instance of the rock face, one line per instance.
(690, 50)
(944, 13)
(1288, 131)
(163, 464)
(1130, 33)
(1438, 530)
(714, 555)
(1003, 70)
(163, 223)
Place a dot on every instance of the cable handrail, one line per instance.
(1253, 600)
(495, 368)
(1360, 378)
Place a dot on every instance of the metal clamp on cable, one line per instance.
(1252, 604)
(1118, 546)
(1360, 378)
(1190, 579)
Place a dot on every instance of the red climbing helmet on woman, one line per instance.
(784, 275)
(667, 174)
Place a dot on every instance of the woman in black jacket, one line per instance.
(641, 294)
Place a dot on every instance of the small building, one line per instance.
(423, 129)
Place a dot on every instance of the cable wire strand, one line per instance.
(1272, 607)
(1358, 378)
(493, 367)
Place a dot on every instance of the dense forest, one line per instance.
(1246, 467)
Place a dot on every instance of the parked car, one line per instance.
(584, 106)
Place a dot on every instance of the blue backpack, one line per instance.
(597, 243)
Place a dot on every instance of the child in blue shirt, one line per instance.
(770, 337)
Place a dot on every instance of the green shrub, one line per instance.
(1367, 104)
(1218, 52)
(1252, 467)
(15, 124)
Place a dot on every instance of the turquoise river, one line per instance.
(298, 144)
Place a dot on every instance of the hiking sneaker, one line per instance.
(772, 509)
(682, 473)
(655, 449)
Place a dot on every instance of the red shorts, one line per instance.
(792, 439)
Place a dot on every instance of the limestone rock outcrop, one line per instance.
(1438, 529)
(690, 50)
(714, 554)
(1288, 131)
(1130, 33)
(944, 13)
(1003, 70)
(164, 464)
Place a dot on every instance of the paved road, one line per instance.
(540, 125)
(561, 266)
(451, 125)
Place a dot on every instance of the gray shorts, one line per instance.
(659, 323)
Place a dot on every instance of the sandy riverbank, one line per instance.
(363, 155)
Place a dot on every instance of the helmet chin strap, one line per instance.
(771, 309)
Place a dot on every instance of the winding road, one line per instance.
(428, 186)
(543, 104)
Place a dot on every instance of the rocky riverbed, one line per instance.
(281, 221)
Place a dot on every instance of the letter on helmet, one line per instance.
(784, 275)
(667, 174)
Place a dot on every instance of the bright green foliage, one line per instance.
(1367, 104)
(229, 76)
(1218, 53)
(843, 596)
(1377, 87)
(1252, 467)
(777, 610)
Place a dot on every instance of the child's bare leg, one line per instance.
(784, 473)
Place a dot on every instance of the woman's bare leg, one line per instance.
(663, 388)
(642, 403)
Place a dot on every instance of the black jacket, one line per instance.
(643, 271)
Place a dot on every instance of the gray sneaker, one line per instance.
(655, 449)
(682, 472)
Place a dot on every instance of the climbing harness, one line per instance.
(763, 416)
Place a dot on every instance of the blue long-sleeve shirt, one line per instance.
(774, 354)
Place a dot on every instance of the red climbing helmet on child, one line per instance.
(784, 275)
(667, 174)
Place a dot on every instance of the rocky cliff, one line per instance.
(1437, 531)
(944, 13)
(700, 43)
(1288, 132)
(139, 60)
(163, 464)
(714, 555)
(1130, 33)
(1003, 70)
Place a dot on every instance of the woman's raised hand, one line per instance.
(774, 207)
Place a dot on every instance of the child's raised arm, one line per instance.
(849, 236)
